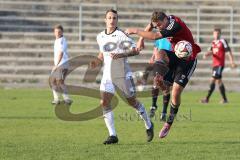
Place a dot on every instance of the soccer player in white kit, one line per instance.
(60, 68)
(115, 46)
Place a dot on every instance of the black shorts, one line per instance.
(181, 69)
(217, 72)
(169, 78)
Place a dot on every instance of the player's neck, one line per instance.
(59, 37)
(110, 30)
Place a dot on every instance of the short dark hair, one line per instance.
(217, 30)
(111, 10)
(158, 15)
(58, 26)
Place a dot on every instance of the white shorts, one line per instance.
(126, 86)
(60, 73)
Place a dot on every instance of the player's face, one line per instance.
(161, 24)
(216, 35)
(111, 20)
(58, 33)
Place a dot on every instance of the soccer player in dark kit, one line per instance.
(218, 50)
(174, 27)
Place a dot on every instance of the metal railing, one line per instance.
(201, 16)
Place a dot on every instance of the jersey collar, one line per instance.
(111, 32)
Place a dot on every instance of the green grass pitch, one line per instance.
(30, 130)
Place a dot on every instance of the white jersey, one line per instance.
(114, 43)
(60, 45)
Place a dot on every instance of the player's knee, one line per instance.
(132, 101)
(104, 103)
(166, 91)
(160, 67)
(219, 82)
(58, 82)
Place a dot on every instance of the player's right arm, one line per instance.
(97, 61)
(208, 53)
(140, 43)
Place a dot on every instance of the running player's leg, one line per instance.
(167, 57)
(165, 102)
(160, 69)
(216, 74)
(63, 87)
(107, 92)
(144, 116)
(221, 85)
(146, 73)
(55, 90)
(128, 90)
(222, 91)
(183, 73)
(210, 91)
(153, 108)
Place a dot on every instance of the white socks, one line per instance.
(143, 114)
(65, 92)
(56, 95)
(109, 121)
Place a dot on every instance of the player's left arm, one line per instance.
(144, 34)
(128, 47)
(170, 31)
(132, 52)
(230, 54)
(231, 59)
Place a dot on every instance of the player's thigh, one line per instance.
(126, 87)
(184, 71)
(132, 101)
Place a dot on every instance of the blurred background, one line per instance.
(26, 35)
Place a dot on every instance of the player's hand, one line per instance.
(131, 31)
(140, 44)
(233, 65)
(204, 56)
(54, 68)
(115, 55)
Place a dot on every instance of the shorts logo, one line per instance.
(183, 77)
